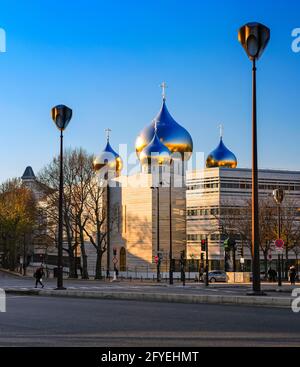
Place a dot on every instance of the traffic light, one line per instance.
(226, 244)
(114, 251)
(156, 258)
(229, 244)
(202, 256)
(203, 245)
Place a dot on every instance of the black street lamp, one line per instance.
(278, 196)
(61, 116)
(157, 233)
(254, 38)
(171, 229)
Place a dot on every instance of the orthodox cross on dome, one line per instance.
(221, 127)
(164, 87)
(107, 131)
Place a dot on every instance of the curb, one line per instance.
(12, 273)
(283, 302)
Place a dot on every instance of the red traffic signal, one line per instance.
(203, 245)
(156, 258)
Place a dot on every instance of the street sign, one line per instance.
(242, 260)
(279, 245)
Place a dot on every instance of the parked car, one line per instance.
(217, 276)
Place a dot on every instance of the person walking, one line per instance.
(39, 273)
(292, 273)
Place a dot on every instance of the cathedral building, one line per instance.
(151, 205)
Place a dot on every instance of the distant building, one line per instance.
(211, 189)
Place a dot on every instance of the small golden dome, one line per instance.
(169, 132)
(221, 157)
(108, 158)
(155, 153)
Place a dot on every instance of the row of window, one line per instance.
(202, 212)
(243, 185)
(225, 211)
(213, 185)
(197, 237)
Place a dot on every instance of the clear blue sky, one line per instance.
(106, 59)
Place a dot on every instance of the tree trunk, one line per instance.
(85, 274)
(12, 256)
(287, 261)
(72, 273)
(99, 265)
(266, 262)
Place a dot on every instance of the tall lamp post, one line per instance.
(158, 237)
(61, 116)
(157, 233)
(278, 196)
(171, 229)
(254, 38)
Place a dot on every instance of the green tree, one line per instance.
(18, 218)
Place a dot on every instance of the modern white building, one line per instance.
(211, 190)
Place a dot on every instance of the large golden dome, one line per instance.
(221, 157)
(169, 132)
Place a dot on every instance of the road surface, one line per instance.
(42, 321)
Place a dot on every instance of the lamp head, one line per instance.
(278, 195)
(61, 115)
(254, 38)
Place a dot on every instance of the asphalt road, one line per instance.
(42, 321)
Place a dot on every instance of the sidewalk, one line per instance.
(192, 292)
(161, 294)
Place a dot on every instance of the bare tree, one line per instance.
(83, 174)
(96, 228)
(290, 225)
(77, 173)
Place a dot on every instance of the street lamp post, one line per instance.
(158, 239)
(296, 254)
(61, 116)
(171, 228)
(278, 195)
(108, 230)
(206, 262)
(157, 233)
(254, 38)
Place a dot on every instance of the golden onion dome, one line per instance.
(169, 132)
(155, 153)
(108, 158)
(221, 157)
